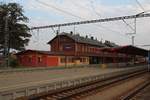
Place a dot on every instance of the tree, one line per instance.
(17, 28)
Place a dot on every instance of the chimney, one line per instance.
(92, 38)
(71, 33)
(86, 36)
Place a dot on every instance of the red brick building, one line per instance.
(1, 59)
(73, 49)
(36, 58)
(79, 47)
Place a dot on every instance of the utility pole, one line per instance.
(133, 40)
(133, 34)
(6, 38)
(133, 37)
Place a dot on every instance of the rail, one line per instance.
(82, 88)
(135, 91)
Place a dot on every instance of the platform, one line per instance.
(20, 81)
(18, 78)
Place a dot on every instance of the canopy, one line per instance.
(129, 49)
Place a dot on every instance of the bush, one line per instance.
(13, 62)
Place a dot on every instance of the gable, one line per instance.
(62, 38)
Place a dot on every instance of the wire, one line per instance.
(68, 13)
(140, 5)
(93, 8)
(53, 30)
(128, 24)
(60, 10)
(144, 45)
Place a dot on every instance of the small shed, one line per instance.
(37, 58)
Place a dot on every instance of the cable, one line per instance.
(53, 30)
(140, 5)
(60, 10)
(144, 45)
(68, 13)
(93, 8)
(128, 24)
(139, 15)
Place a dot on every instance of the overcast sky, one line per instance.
(47, 12)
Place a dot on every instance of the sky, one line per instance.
(48, 12)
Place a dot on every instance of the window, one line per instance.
(39, 59)
(70, 59)
(85, 48)
(82, 46)
(83, 59)
(88, 49)
(79, 48)
(62, 60)
(30, 59)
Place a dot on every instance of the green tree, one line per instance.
(17, 28)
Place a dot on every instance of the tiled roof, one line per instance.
(42, 52)
(110, 44)
(38, 51)
(82, 39)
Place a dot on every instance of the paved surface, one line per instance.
(11, 80)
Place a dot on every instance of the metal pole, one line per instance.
(134, 31)
(135, 26)
(74, 29)
(57, 33)
(133, 40)
(6, 53)
(140, 15)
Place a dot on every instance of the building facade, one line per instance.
(68, 49)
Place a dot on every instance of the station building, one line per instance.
(72, 49)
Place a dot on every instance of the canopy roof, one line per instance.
(129, 49)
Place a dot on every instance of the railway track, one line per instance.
(81, 90)
(131, 95)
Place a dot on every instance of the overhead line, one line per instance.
(128, 25)
(93, 8)
(48, 5)
(140, 5)
(140, 15)
(144, 45)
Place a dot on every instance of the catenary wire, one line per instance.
(68, 13)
